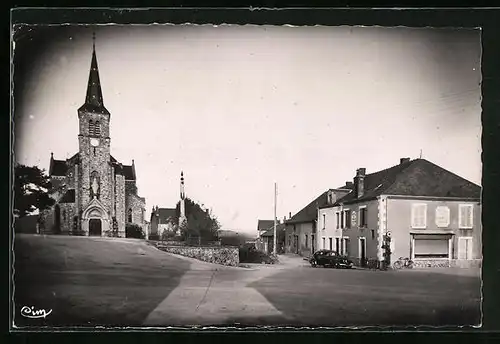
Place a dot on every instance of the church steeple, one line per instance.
(93, 100)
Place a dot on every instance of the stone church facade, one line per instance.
(95, 194)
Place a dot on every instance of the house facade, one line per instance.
(162, 219)
(266, 242)
(431, 216)
(301, 230)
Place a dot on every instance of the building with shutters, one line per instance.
(301, 229)
(95, 194)
(430, 214)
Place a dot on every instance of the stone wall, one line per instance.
(431, 263)
(120, 204)
(219, 255)
(137, 205)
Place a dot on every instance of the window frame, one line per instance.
(470, 245)
(129, 215)
(363, 218)
(413, 223)
(471, 218)
(347, 220)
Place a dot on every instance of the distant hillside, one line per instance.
(232, 237)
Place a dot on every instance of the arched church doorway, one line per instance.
(57, 219)
(95, 227)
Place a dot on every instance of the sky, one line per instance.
(239, 108)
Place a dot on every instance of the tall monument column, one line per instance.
(182, 215)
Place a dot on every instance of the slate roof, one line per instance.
(163, 214)
(68, 197)
(309, 212)
(128, 172)
(60, 167)
(264, 224)
(417, 177)
(94, 100)
(270, 231)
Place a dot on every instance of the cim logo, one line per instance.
(33, 313)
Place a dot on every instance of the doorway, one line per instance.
(95, 227)
(362, 251)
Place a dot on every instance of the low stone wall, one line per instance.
(212, 254)
(444, 263)
(426, 263)
(431, 263)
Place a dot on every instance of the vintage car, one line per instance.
(328, 258)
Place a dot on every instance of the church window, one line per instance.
(64, 215)
(130, 215)
(97, 128)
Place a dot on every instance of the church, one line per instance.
(95, 194)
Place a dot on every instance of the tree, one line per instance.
(200, 224)
(31, 186)
(134, 231)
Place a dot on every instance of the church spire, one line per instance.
(93, 99)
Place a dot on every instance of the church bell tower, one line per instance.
(94, 147)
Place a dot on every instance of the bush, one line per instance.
(134, 231)
(250, 254)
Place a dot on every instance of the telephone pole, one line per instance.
(275, 197)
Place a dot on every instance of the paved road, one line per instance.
(126, 282)
(88, 282)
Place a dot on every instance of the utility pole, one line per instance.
(275, 197)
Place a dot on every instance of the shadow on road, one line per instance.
(88, 282)
(333, 298)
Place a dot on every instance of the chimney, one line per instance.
(290, 215)
(403, 160)
(284, 219)
(359, 182)
(349, 185)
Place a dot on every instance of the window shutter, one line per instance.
(469, 248)
(470, 210)
(419, 216)
(466, 212)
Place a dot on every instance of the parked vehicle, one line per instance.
(328, 258)
(403, 263)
